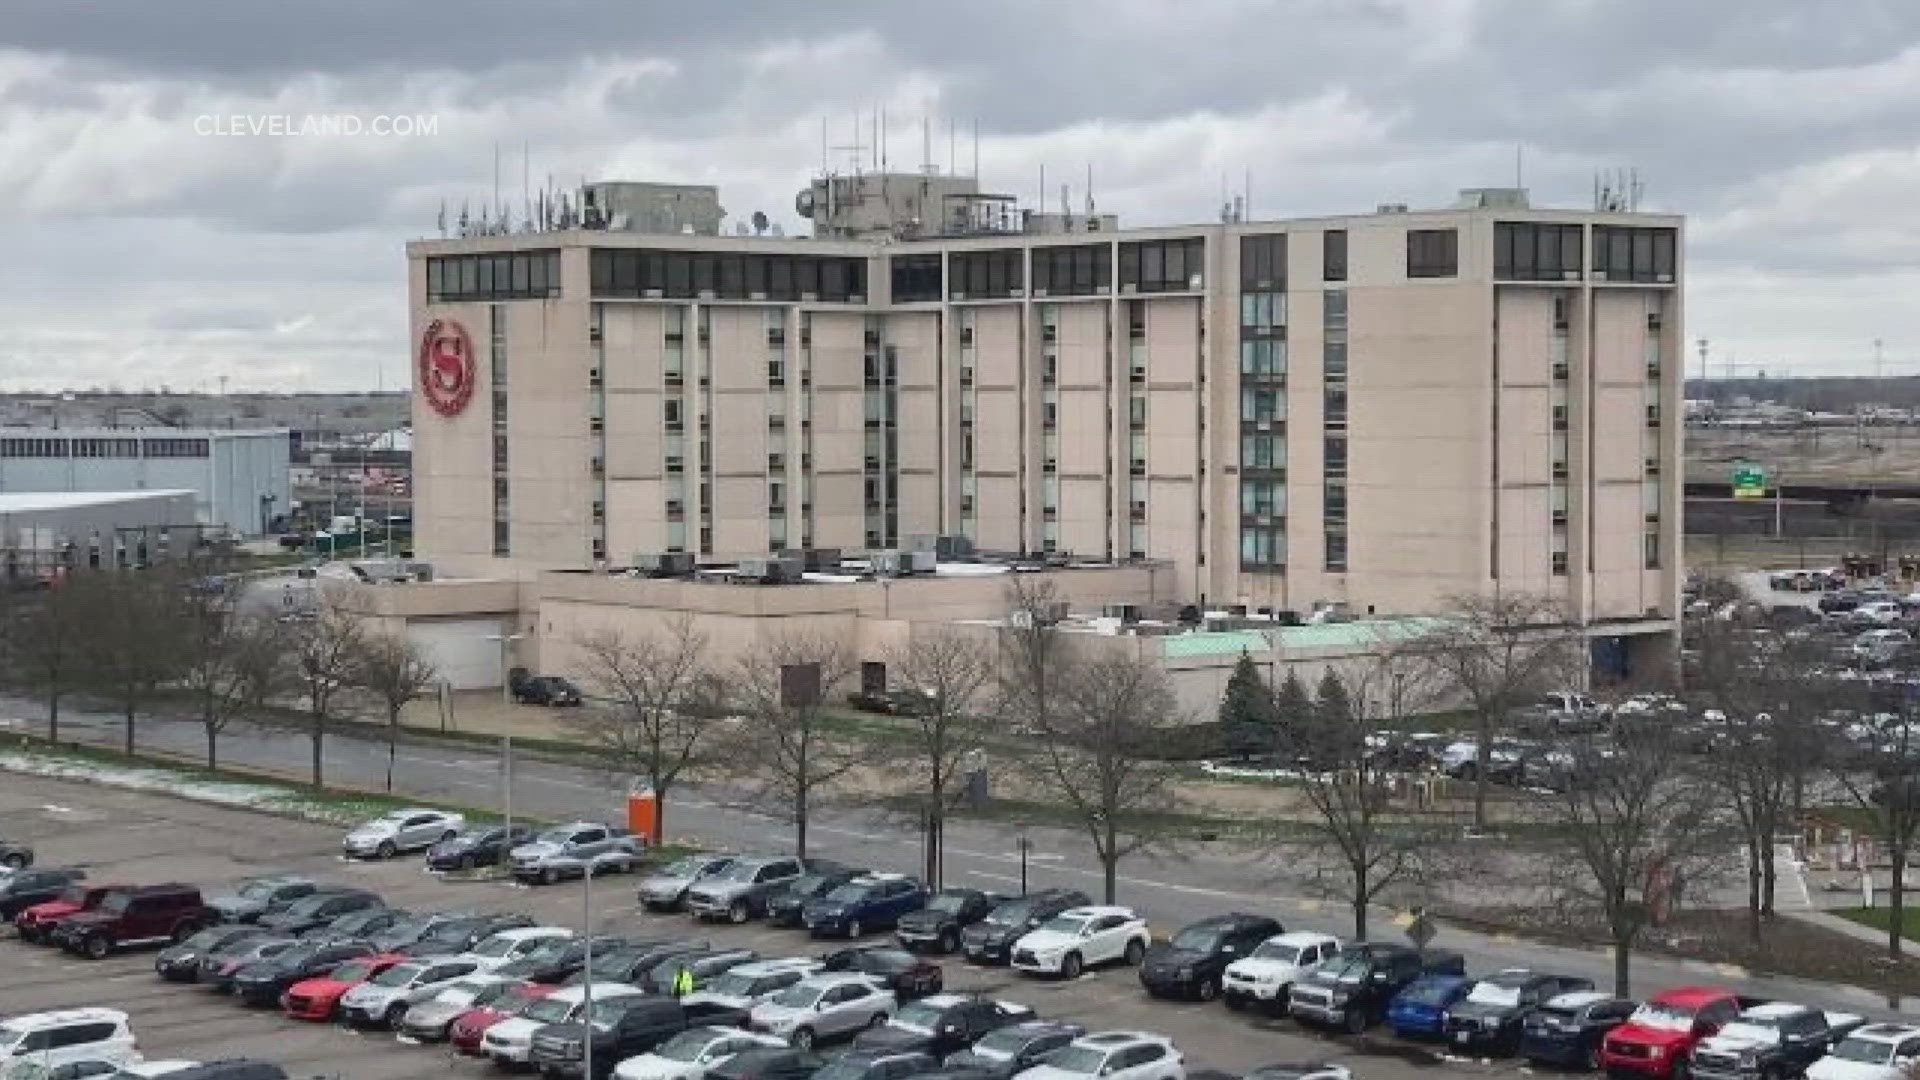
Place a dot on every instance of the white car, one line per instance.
(34, 1043)
(823, 1006)
(510, 945)
(1065, 944)
(1111, 1055)
(1876, 613)
(1263, 976)
(688, 1055)
(1873, 1052)
(383, 999)
(414, 829)
(510, 1042)
(748, 985)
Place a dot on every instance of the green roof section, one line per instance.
(1359, 635)
(1213, 643)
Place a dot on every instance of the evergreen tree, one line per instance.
(1333, 706)
(1248, 722)
(1293, 711)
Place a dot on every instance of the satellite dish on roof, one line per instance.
(759, 222)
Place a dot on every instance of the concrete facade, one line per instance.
(239, 478)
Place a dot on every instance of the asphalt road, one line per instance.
(1170, 887)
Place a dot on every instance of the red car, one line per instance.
(465, 1032)
(36, 923)
(316, 999)
(1663, 1031)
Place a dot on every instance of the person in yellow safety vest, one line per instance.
(683, 982)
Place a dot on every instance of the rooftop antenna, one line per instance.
(1089, 190)
(1066, 204)
(1703, 361)
(1877, 370)
(496, 176)
(1246, 191)
(1518, 150)
(526, 181)
(926, 144)
(976, 148)
(825, 168)
(1041, 203)
(953, 163)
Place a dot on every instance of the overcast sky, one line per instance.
(141, 250)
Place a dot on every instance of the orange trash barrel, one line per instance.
(643, 814)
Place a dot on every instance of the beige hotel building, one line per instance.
(1380, 409)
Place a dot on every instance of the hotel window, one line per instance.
(1162, 265)
(1536, 251)
(519, 275)
(1263, 452)
(1263, 262)
(1263, 356)
(1433, 253)
(1336, 549)
(916, 278)
(1336, 455)
(1263, 546)
(685, 275)
(986, 274)
(1262, 404)
(1263, 313)
(1333, 255)
(1629, 253)
(1072, 270)
(1262, 496)
(1650, 547)
(166, 448)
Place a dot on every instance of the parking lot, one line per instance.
(124, 836)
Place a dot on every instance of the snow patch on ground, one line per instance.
(272, 798)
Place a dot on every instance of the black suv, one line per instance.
(22, 889)
(550, 690)
(556, 959)
(990, 941)
(1566, 1031)
(457, 935)
(263, 981)
(874, 1064)
(623, 1027)
(318, 909)
(938, 925)
(1016, 1047)
(1492, 1013)
(181, 963)
(783, 907)
(482, 845)
(1193, 963)
(631, 964)
(367, 923)
(941, 1024)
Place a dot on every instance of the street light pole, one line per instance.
(506, 788)
(586, 983)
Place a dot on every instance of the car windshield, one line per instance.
(550, 949)
(1350, 966)
(485, 994)
(1427, 992)
(685, 1046)
(353, 971)
(919, 1015)
(732, 985)
(799, 996)
(1197, 939)
(549, 1010)
(259, 890)
(1861, 1050)
(847, 1068)
(1277, 950)
(398, 975)
(1011, 914)
(205, 938)
(1007, 1040)
(1667, 1017)
(307, 905)
(1066, 924)
(513, 998)
(409, 927)
(683, 867)
(1491, 993)
(497, 945)
(738, 872)
(476, 836)
(555, 836)
(386, 821)
(1077, 1059)
(607, 1011)
(948, 903)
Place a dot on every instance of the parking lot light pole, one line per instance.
(506, 792)
(506, 679)
(1025, 845)
(586, 983)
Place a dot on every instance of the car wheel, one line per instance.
(465, 862)
(1356, 1021)
(1236, 1004)
(386, 850)
(853, 928)
(1070, 966)
(1681, 1069)
(949, 941)
(802, 1038)
(1136, 951)
(878, 1020)
(14, 861)
(96, 946)
(737, 911)
(550, 876)
(394, 1013)
(1207, 990)
(1592, 1058)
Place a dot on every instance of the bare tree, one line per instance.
(230, 663)
(1630, 826)
(394, 670)
(1882, 779)
(659, 689)
(325, 647)
(952, 723)
(47, 647)
(1364, 845)
(1767, 690)
(133, 644)
(1498, 652)
(783, 685)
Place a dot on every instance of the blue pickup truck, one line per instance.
(1420, 1011)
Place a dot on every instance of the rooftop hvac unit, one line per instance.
(769, 571)
(921, 562)
(1126, 613)
(948, 548)
(816, 560)
(664, 564)
(888, 563)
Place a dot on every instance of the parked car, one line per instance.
(823, 1006)
(870, 903)
(621, 1028)
(318, 997)
(1354, 988)
(1872, 1052)
(1112, 1055)
(1771, 1041)
(873, 1064)
(556, 958)
(633, 964)
(509, 1042)
(740, 892)
(550, 690)
(381, 1000)
(320, 909)
(1563, 712)
(1420, 1010)
(1065, 944)
(15, 855)
(22, 889)
(1004, 1052)
(367, 923)
(35, 922)
(1491, 1014)
(666, 889)
(746, 985)
(505, 946)
(581, 847)
(427, 1020)
(1567, 1030)
(892, 702)
(33, 1043)
(942, 1024)
(459, 934)
(907, 975)
(401, 830)
(404, 931)
(698, 966)
(785, 905)
(991, 939)
(939, 924)
(767, 1064)
(1193, 963)
(1263, 977)
(470, 1027)
(1839, 601)
(263, 981)
(143, 915)
(476, 845)
(181, 962)
(219, 965)
(689, 1055)
(1663, 1031)
(253, 897)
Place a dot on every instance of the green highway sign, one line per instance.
(1749, 481)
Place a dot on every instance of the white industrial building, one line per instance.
(43, 533)
(238, 477)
